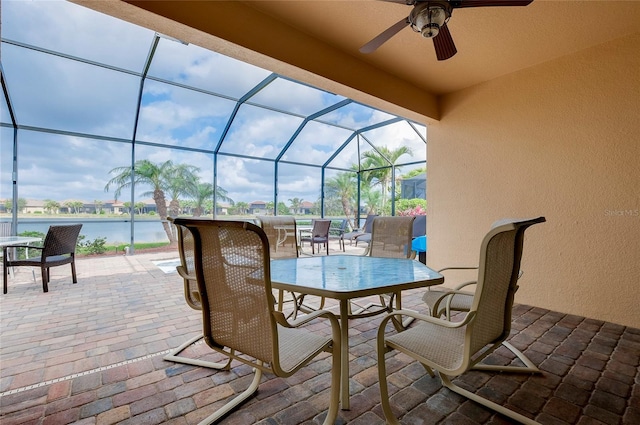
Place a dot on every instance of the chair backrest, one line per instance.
(338, 230)
(499, 267)
(61, 240)
(281, 232)
(391, 237)
(187, 269)
(5, 228)
(320, 228)
(368, 223)
(420, 226)
(233, 276)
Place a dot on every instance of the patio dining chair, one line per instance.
(319, 235)
(186, 270)
(390, 238)
(281, 232)
(443, 300)
(453, 348)
(232, 265)
(58, 249)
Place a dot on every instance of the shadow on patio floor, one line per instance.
(91, 353)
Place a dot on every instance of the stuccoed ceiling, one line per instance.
(317, 41)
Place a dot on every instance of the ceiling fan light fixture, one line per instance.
(428, 17)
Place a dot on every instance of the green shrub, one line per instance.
(96, 246)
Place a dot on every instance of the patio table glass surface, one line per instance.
(343, 277)
(17, 240)
(349, 276)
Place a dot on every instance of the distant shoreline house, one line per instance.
(223, 208)
(258, 208)
(304, 208)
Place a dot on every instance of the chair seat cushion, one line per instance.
(297, 345)
(55, 260)
(459, 302)
(441, 345)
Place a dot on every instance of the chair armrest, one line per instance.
(448, 296)
(282, 320)
(462, 285)
(429, 319)
(335, 325)
(458, 268)
(8, 247)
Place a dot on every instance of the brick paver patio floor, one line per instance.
(92, 353)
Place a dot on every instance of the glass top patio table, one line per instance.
(344, 277)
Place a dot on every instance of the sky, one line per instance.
(53, 92)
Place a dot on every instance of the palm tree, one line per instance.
(242, 207)
(51, 206)
(371, 199)
(202, 193)
(343, 187)
(380, 166)
(145, 172)
(180, 179)
(295, 204)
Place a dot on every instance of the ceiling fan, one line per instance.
(429, 18)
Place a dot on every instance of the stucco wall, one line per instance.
(562, 140)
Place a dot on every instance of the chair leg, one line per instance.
(45, 278)
(73, 272)
(528, 367)
(253, 387)
(173, 357)
(4, 280)
(488, 403)
(382, 380)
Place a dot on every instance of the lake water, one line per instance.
(116, 232)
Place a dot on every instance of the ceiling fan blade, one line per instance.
(443, 43)
(384, 36)
(485, 3)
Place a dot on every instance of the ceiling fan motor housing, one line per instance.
(429, 16)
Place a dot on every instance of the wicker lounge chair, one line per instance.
(58, 249)
(364, 231)
(233, 275)
(452, 348)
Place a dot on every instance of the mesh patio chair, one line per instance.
(319, 235)
(364, 231)
(233, 276)
(187, 271)
(452, 348)
(390, 238)
(58, 249)
(281, 233)
(443, 300)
